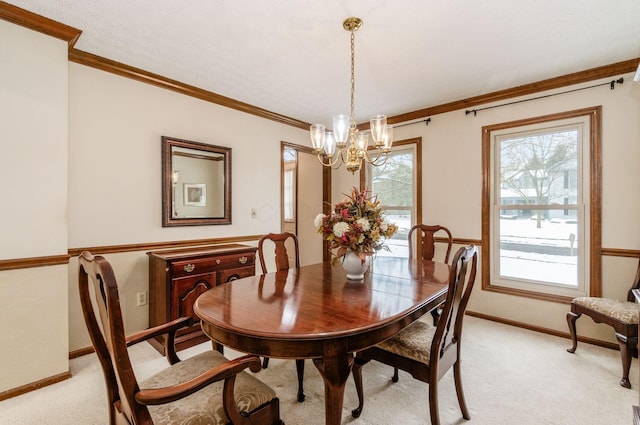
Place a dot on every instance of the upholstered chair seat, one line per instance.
(250, 393)
(413, 342)
(622, 311)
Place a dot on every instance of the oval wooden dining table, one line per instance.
(315, 312)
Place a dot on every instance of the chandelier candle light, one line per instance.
(346, 144)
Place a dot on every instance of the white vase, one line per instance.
(352, 264)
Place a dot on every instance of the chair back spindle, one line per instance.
(426, 241)
(279, 241)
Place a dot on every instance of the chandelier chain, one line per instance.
(353, 78)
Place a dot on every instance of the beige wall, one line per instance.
(100, 185)
(33, 216)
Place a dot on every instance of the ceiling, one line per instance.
(293, 57)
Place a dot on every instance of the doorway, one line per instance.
(304, 184)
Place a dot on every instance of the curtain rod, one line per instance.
(612, 85)
(427, 121)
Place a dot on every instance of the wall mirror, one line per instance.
(196, 183)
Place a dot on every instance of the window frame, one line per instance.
(592, 194)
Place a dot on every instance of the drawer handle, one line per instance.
(243, 260)
(189, 268)
(217, 261)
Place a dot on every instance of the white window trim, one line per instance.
(580, 123)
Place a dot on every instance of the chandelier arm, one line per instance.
(336, 162)
(375, 162)
(340, 155)
(326, 164)
(367, 157)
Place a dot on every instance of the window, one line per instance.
(398, 187)
(289, 185)
(541, 206)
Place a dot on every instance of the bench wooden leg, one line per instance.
(627, 345)
(571, 321)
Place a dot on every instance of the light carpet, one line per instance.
(510, 376)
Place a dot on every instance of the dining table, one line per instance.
(315, 312)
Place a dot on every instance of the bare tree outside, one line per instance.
(538, 169)
(393, 184)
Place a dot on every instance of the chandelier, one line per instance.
(346, 144)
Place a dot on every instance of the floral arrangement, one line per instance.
(357, 224)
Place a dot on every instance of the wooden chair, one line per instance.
(622, 316)
(426, 249)
(425, 351)
(219, 390)
(426, 241)
(279, 241)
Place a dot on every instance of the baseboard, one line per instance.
(542, 330)
(34, 385)
(81, 352)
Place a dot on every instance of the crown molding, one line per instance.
(24, 18)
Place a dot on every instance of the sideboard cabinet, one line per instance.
(177, 277)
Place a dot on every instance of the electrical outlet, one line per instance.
(141, 298)
(254, 213)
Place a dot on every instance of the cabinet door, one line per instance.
(185, 291)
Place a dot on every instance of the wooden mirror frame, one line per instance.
(168, 220)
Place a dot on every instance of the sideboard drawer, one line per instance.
(211, 264)
(239, 273)
(193, 267)
(236, 260)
